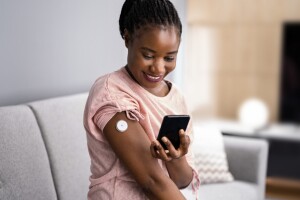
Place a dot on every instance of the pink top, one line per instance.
(117, 92)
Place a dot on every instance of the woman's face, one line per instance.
(152, 53)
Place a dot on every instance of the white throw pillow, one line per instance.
(210, 156)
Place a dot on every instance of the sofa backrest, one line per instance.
(61, 123)
(24, 166)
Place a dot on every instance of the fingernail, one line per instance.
(164, 139)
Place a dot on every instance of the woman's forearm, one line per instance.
(180, 172)
(161, 188)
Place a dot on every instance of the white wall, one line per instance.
(59, 47)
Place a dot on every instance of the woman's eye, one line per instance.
(148, 57)
(169, 59)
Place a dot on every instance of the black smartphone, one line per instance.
(170, 127)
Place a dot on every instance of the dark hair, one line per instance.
(137, 13)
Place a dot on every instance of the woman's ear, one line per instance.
(126, 37)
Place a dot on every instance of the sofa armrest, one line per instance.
(247, 159)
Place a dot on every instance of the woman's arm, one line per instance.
(179, 169)
(180, 172)
(133, 148)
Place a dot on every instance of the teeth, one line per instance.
(153, 77)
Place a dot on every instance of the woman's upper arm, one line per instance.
(132, 147)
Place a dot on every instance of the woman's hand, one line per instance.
(159, 152)
(178, 168)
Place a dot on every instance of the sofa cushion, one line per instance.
(61, 122)
(24, 166)
(235, 190)
(210, 156)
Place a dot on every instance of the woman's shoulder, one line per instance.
(111, 84)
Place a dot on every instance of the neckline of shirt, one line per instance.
(146, 91)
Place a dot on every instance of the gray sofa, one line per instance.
(247, 160)
(43, 155)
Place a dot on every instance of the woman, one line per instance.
(125, 109)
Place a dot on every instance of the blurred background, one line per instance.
(231, 51)
(236, 51)
(242, 71)
(238, 61)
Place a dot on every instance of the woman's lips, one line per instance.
(152, 78)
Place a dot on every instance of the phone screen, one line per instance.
(170, 127)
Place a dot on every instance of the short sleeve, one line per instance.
(120, 102)
(106, 98)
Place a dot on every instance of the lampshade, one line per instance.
(253, 113)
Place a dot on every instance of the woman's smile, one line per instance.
(153, 78)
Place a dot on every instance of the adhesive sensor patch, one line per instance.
(121, 126)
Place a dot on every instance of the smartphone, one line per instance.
(170, 127)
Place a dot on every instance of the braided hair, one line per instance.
(138, 13)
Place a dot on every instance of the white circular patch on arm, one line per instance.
(121, 126)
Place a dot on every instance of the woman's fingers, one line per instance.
(183, 148)
(153, 149)
(159, 152)
(184, 142)
(172, 152)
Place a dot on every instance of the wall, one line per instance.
(52, 48)
(234, 48)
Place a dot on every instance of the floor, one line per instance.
(282, 189)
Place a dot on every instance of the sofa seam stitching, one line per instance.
(46, 148)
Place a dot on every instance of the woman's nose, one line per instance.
(158, 66)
